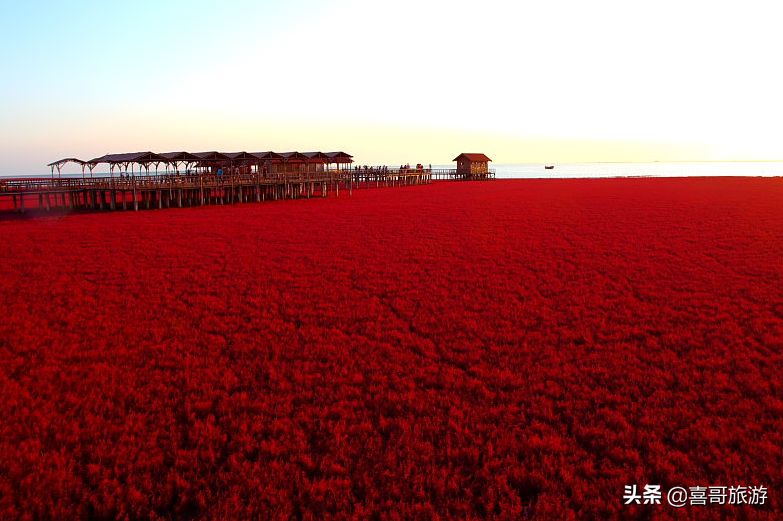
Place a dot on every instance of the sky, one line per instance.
(408, 81)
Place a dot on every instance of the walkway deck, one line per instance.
(132, 192)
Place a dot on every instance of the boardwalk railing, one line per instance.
(120, 182)
(173, 189)
(376, 175)
(451, 173)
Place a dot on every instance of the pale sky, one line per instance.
(393, 82)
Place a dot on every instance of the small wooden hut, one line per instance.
(472, 166)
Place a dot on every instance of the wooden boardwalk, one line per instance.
(148, 191)
(121, 192)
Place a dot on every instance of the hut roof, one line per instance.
(131, 157)
(476, 158)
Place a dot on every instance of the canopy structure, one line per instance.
(185, 158)
(62, 162)
(130, 157)
(126, 160)
(214, 160)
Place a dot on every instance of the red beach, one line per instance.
(476, 350)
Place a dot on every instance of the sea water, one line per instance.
(658, 169)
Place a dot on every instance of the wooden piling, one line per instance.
(165, 192)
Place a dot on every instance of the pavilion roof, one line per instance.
(208, 157)
(240, 156)
(180, 156)
(212, 156)
(130, 157)
(61, 162)
(266, 155)
(339, 157)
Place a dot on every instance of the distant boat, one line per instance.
(549, 167)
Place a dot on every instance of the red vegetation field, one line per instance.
(498, 350)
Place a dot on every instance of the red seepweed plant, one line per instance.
(504, 350)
